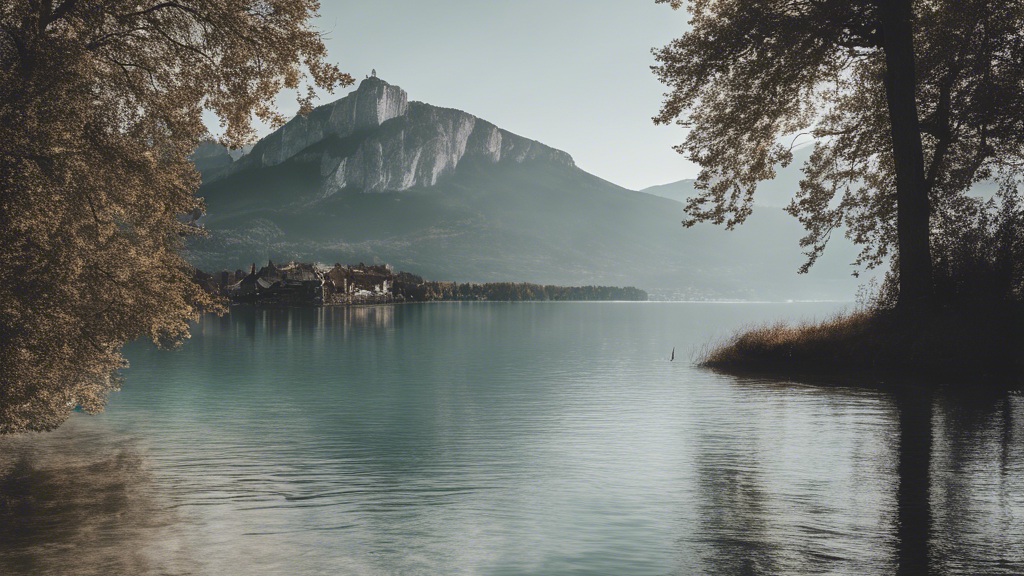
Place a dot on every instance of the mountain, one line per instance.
(678, 191)
(376, 178)
(775, 193)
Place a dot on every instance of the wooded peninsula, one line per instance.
(306, 284)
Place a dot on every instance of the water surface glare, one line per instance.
(507, 439)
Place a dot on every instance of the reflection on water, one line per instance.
(519, 438)
(733, 504)
(913, 519)
(288, 323)
(79, 501)
(795, 480)
(977, 490)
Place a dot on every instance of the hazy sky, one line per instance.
(572, 74)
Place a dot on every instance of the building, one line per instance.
(293, 284)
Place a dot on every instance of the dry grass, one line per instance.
(973, 335)
(954, 344)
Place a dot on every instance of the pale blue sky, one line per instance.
(573, 74)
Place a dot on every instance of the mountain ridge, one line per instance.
(432, 190)
(400, 144)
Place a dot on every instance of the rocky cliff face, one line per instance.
(375, 140)
(374, 103)
(421, 147)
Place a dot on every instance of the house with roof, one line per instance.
(293, 284)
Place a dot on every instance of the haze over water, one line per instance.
(507, 438)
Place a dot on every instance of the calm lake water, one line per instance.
(507, 438)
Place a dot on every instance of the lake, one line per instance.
(508, 439)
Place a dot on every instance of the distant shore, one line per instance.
(305, 284)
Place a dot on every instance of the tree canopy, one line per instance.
(101, 103)
(944, 79)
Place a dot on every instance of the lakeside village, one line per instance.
(305, 284)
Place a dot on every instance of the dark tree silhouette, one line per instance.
(910, 102)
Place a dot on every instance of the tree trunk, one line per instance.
(913, 507)
(912, 205)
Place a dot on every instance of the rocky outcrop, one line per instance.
(372, 104)
(374, 140)
(425, 144)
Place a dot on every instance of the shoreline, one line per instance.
(715, 302)
(946, 348)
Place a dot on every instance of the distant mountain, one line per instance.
(375, 178)
(678, 191)
(783, 188)
(774, 193)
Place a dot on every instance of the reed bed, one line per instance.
(952, 344)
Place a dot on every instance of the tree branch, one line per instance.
(942, 131)
(186, 47)
(159, 7)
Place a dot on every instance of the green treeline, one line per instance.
(511, 291)
(362, 284)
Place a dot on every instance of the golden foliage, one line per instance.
(100, 106)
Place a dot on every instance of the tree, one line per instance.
(101, 103)
(910, 103)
